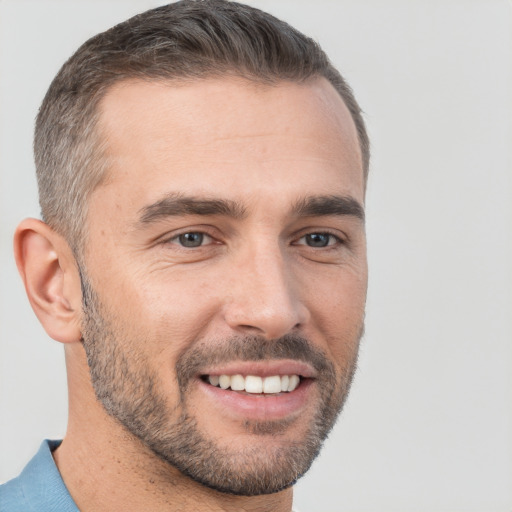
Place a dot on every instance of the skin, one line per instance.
(265, 148)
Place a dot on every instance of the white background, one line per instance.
(428, 426)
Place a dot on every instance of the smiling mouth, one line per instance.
(254, 384)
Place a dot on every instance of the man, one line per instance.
(201, 172)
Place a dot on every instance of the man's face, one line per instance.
(225, 274)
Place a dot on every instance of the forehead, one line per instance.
(228, 133)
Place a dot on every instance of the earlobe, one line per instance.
(48, 269)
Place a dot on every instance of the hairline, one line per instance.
(97, 141)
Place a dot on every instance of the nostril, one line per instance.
(247, 327)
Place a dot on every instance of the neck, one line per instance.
(106, 468)
(109, 474)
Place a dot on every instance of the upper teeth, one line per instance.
(255, 384)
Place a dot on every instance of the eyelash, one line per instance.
(331, 237)
(176, 239)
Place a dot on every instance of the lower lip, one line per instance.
(260, 407)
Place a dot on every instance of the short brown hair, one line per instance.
(186, 40)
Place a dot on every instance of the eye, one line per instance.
(319, 240)
(192, 239)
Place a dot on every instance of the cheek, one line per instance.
(342, 332)
(169, 314)
(337, 313)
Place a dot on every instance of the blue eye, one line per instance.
(319, 240)
(191, 240)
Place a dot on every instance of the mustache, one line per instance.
(251, 348)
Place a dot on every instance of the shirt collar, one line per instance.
(42, 484)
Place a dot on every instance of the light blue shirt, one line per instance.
(39, 487)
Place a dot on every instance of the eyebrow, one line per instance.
(317, 206)
(176, 204)
(314, 206)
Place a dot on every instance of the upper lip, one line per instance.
(263, 368)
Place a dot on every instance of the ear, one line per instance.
(52, 282)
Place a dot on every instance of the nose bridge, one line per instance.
(264, 298)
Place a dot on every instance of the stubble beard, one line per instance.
(128, 390)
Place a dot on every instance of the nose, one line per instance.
(264, 297)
